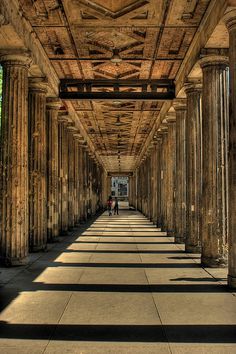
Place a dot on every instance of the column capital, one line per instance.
(170, 118)
(38, 84)
(15, 57)
(213, 59)
(192, 86)
(179, 104)
(229, 19)
(163, 129)
(53, 103)
(63, 118)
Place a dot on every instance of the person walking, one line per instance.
(116, 206)
(109, 205)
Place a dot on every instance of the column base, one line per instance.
(213, 262)
(14, 262)
(193, 249)
(232, 282)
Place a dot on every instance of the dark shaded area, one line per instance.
(123, 333)
(126, 288)
(125, 265)
(127, 251)
(199, 279)
(127, 243)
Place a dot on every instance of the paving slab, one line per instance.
(118, 286)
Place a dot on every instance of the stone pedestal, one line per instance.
(230, 20)
(194, 166)
(37, 166)
(14, 222)
(180, 201)
(214, 152)
(53, 106)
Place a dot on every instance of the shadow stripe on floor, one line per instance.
(203, 333)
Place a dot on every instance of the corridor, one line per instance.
(116, 285)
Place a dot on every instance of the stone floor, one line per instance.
(119, 285)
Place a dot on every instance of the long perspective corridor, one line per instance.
(119, 285)
(117, 176)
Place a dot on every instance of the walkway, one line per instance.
(119, 286)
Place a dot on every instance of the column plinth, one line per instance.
(14, 208)
(214, 164)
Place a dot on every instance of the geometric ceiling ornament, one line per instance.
(93, 9)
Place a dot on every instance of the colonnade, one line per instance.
(195, 153)
(48, 180)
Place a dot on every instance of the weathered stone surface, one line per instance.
(230, 20)
(180, 205)
(171, 172)
(14, 160)
(214, 153)
(53, 106)
(37, 165)
(194, 166)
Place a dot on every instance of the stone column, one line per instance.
(37, 165)
(154, 200)
(214, 150)
(180, 209)
(76, 181)
(171, 171)
(14, 222)
(194, 166)
(81, 215)
(71, 175)
(159, 175)
(230, 20)
(164, 177)
(53, 106)
(63, 183)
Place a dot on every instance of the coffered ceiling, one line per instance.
(150, 38)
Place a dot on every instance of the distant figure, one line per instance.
(109, 205)
(116, 207)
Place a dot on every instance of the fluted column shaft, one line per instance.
(53, 106)
(231, 25)
(180, 205)
(63, 151)
(37, 167)
(194, 167)
(215, 146)
(76, 183)
(14, 222)
(164, 180)
(71, 178)
(171, 170)
(159, 174)
(154, 200)
(81, 211)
